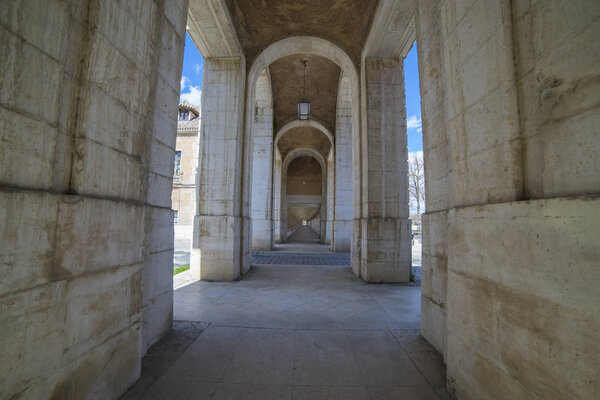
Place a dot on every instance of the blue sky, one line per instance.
(193, 67)
(413, 101)
(191, 75)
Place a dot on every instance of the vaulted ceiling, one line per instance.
(259, 23)
(322, 77)
(304, 136)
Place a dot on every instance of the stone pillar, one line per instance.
(216, 243)
(262, 150)
(277, 198)
(330, 197)
(322, 227)
(342, 229)
(385, 227)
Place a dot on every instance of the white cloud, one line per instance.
(193, 95)
(198, 69)
(183, 82)
(413, 122)
(415, 154)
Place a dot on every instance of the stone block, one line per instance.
(157, 275)
(261, 234)
(94, 235)
(157, 319)
(44, 26)
(342, 236)
(435, 233)
(109, 123)
(529, 246)
(106, 60)
(31, 78)
(159, 229)
(386, 250)
(434, 278)
(159, 190)
(433, 324)
(162, 159)
(536, 285)
(106, 371)
(31, 336)
(215, 244)
(27, 151)
(103, 171)
(27, 236)
(99, 306)
(128, 28)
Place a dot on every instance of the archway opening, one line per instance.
(304, 187)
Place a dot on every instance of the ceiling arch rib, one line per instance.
(297, 124)
(299, 45)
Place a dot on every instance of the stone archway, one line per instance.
(277, 229)
(303, 151)
(296, 124)
(283, 48)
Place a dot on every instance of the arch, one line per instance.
(296, 45)
(302, 44)
(283, 48)
(297, 124)
(302, 151)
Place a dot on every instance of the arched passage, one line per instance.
(290, 129)
(291, 157)
(283, 48)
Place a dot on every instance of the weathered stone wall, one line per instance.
(510, 106)
(88, 98)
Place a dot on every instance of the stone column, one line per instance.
(216, 244)
(277, 198)
(342, 229)
(330, 197)
(385, 227)
(262, 150)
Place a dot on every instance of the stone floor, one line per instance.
(293, 332)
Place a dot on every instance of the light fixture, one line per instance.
(303, 104)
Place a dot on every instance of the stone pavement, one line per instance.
(294, 332)
(303, 235)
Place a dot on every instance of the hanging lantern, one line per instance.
(303, 104)
(303, 109)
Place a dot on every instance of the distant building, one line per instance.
(183, 196)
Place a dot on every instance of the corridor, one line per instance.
(294, 332)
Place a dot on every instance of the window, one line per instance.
(304, 223)
(175, 216)
(183, 115)
(177, 170)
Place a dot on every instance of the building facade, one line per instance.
(183, 196)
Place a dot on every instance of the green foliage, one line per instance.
(179, 269)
